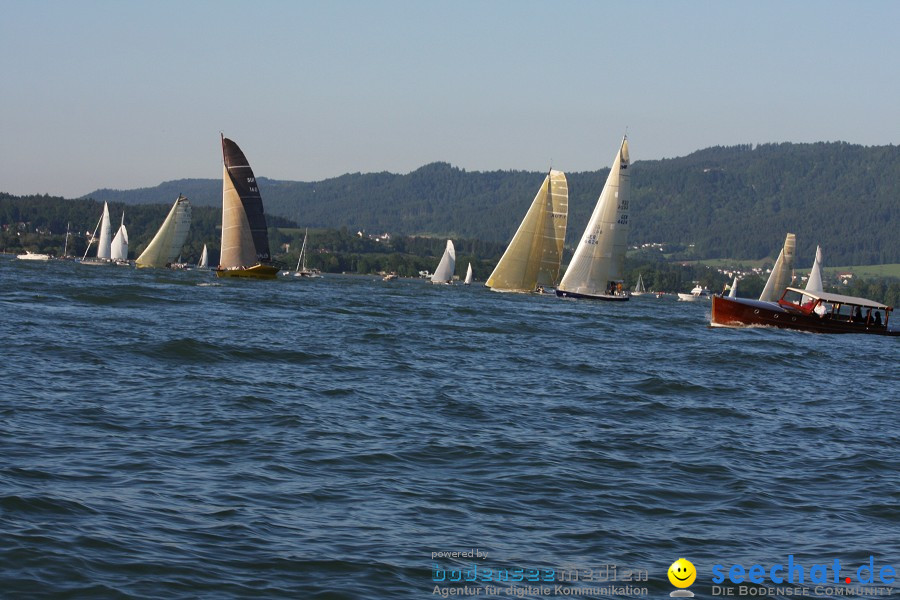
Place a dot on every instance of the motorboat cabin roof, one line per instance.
(839, 299)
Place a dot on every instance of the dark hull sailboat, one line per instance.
(245, 238)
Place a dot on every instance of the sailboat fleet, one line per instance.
(531, 263)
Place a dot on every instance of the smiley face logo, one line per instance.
(682, 573)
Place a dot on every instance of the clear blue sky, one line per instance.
(126, 94)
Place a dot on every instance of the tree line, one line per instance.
(733, 202)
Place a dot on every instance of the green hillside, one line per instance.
(729, 201)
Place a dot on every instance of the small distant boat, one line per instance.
(698, 293)
(639, 287)
(597, 268)
(104, 242)
(822, 313)
(444, 271)
(468, 280)
(389, 277)
(532, 259)
(29, 255)
(118, 251)
(245, 237)
(204, 259)
(166, 245)
(302, 270)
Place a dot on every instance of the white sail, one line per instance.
(468, 274)
(598, 265)
(639, 286)
(445, 268)
(119, 246)
(204, 258)
(533, 256)
(814, 283)
(733, 292)
(301, 260)
(104, 249)
(782, 272)
(166, 244)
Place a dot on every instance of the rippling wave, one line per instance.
(166, 435)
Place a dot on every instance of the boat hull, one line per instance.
(739, 312)
(254, 272)
(606, 297)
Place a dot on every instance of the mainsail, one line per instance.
(468, 274)
(533, 256)
(445, 268)
(245, 240)
(166, 244)
(782, 272)
(104, 248)
(598, 267)
(814, 283)
(119, 246)
(204, 258)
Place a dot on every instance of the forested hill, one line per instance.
(737, 201)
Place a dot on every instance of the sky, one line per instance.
(126, 94)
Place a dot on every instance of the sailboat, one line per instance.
(639, 289)
(598, 266)
(245, 237)
(302, 270)
(104, 242)
(118, 252)
(782, 273)
(166, 244)
(445, 268)
(204, 259)
(468, 280)
(814, 283)
(531, 261)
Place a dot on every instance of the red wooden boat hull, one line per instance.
(742, 312)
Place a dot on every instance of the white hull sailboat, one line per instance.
(639, 289)
(302, 270)
(245, 236)
(104, 242)
(445, 269)
(597, 268)
(532, 259)
(166, 245)
(118, 251)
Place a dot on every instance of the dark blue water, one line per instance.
(167, 435)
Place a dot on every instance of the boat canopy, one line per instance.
(840, 299)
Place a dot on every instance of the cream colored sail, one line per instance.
(533, 256)
(237, 240)
(599, 261)
(782, 272)
(166, 244)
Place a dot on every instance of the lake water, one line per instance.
(167, 435)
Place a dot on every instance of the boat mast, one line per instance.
(93, 237)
